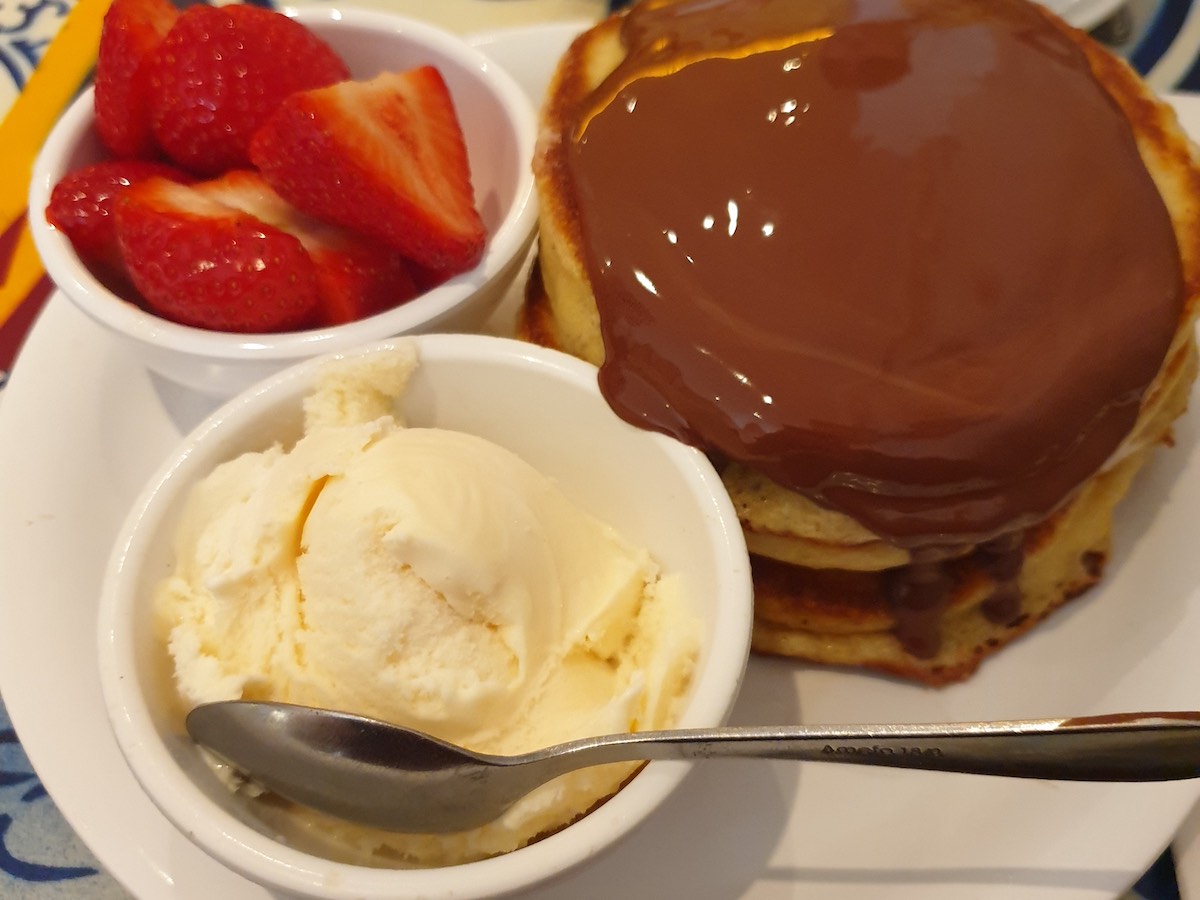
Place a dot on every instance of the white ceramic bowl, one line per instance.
(499, 125)
(544, 406)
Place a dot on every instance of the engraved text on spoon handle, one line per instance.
(1150, 747)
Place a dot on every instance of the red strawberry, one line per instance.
(356, 277)
(81, 206)
(131, 31)
(384, 157)
(359, 280)
(202, 263)
(221, 71)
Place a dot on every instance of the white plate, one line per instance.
(81, 427)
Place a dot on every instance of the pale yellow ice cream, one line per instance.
(430, 578)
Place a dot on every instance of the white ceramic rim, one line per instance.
(263, 860)
(509, 240)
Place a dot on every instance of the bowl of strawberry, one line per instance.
(241, 189)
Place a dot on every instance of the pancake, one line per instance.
(920, 276)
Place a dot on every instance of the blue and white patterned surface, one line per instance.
(1165, 46)
(41, 858)
(26, 29)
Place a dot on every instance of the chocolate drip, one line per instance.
(1004, 605)
(917, 595)
(900, 255)
(1001, 559)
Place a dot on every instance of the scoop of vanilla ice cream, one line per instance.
(430, 578)
(449, 586)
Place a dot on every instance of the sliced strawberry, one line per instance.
(384, 157)
(221, 71)
(360, 280)
(81, 206)
(132, 29)
(202, 263)
(356, 277)
(427, 279)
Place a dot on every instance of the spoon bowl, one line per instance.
(386, 776)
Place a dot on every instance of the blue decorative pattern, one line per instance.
(26, 29)
(1191, 79)
(29, 850)
(1162, 30)
(1159, 882)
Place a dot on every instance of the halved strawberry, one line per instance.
(356, 277)
(81, 206)
(221, 71)
(385, 157)
(357, 280)
(131, 31)
(203, 263)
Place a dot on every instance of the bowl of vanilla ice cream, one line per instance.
(449, 532)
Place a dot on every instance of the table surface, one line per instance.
(40, 856)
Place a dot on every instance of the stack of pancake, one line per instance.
(919, 275)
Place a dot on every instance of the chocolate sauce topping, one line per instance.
(900, 255)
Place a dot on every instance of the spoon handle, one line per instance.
(1144, 747)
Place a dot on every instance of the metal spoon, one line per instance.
(380, 774)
